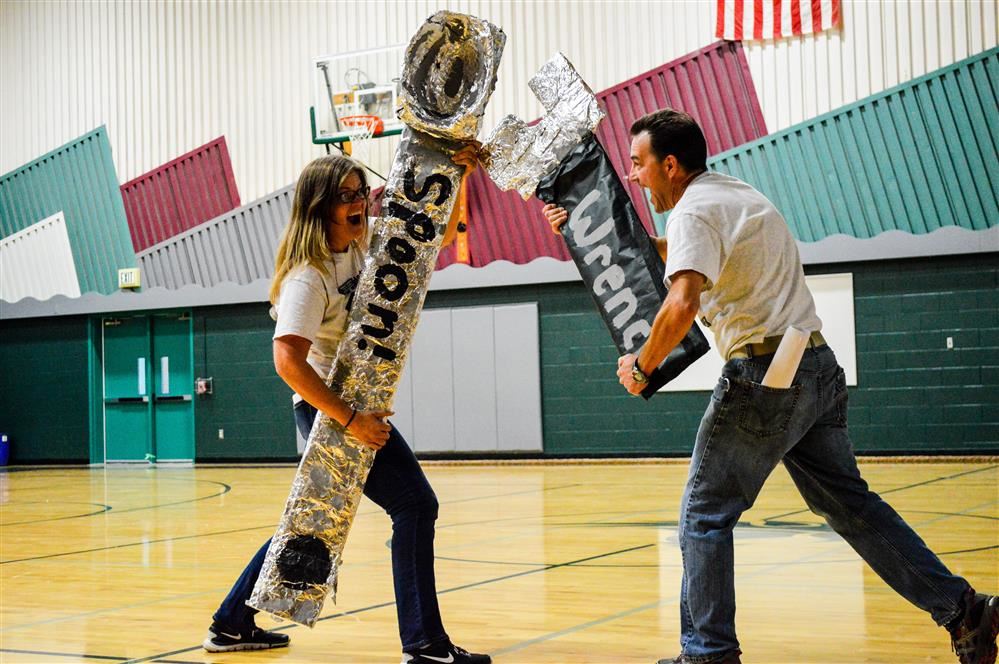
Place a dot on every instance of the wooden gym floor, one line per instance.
(537, 564)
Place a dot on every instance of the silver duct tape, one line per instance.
(302, 564)
(449, 73)
(519, 156)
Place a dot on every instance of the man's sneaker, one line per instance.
(222, 639)
(974, 638)
(728, 658)
(444, 653)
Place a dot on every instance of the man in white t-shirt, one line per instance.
(731, 259)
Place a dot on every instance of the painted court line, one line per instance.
(239, 530)
(901, 488)
(767, 568)
(74, 655)
(505, 577)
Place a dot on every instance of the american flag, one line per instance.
(774, 19)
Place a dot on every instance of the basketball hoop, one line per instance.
(361, 129)
(355, 95)
(372, 123)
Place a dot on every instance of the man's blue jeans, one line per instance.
(746, 431)
(397, 484)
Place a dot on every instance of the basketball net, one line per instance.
(361, 129)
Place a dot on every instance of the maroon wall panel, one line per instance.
(180, 194)
(503, 226)
(713, 84)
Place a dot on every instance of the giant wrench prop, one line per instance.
(448, 76)
(560, 161)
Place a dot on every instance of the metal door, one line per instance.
(127, 406)
(173, 407)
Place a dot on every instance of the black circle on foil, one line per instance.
(421, 228)
(303, 562)
(396, 286)
(400, 250)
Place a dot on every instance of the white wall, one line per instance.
(166, 77)
(472, 381)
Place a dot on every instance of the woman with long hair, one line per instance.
(318, 263)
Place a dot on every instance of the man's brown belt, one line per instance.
(769, 346)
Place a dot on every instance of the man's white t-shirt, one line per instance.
(314, 305)
(736, 238)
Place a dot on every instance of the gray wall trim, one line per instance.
(946, 241)
(542, 270)
(147, 300)
(950, 240)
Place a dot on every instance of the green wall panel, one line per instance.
(250, 403)
(44, 403)
(914, 395)
(79, 179)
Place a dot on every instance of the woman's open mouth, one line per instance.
(355, 219)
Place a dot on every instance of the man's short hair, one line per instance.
(674, 133)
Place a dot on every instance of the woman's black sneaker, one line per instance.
(444, 653)
(224, 639)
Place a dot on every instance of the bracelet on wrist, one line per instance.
(353, 414)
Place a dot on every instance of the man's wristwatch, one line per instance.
(637, 374)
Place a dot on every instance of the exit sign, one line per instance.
(129, 278)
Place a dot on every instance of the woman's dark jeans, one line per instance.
(397, 484)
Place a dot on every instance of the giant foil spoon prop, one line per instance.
(560, 161)
(448, 76)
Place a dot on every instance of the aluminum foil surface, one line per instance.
(519, 156)
(302, 564)
(449, 73)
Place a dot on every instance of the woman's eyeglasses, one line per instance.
(349, 196)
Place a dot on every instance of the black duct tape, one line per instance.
(615, 256)
(305, 561)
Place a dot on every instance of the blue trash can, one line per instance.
(4, 449)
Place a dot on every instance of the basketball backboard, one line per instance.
(356, 88)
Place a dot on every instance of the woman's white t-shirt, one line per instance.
(313, 304)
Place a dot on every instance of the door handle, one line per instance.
(174, 397)
(127, 400)
(165, 375)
